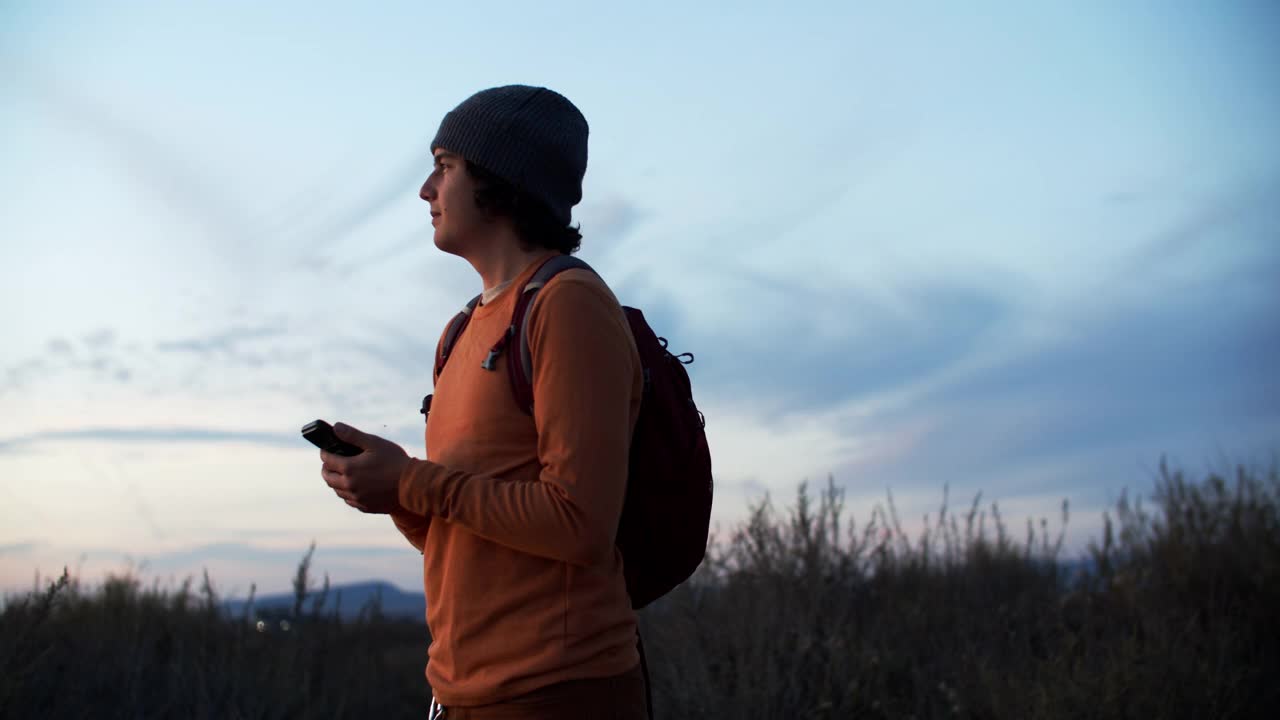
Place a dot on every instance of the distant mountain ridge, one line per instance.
(349, 599)
(346, 600)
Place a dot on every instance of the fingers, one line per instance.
(341, 485)
(337, 462)
(350, 499)
(335, 479)
(349, 434)
(366, 480)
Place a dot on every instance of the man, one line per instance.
(516, 513)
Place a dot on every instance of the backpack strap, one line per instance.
(451, 333)
(520, 368)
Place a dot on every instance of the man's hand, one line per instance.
(370, 481)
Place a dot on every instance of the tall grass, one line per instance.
(803, 614)
(129, 651)
(798, 612)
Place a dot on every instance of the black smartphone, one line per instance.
(321, 434)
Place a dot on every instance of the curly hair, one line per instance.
(533, 222)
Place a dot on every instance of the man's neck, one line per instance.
(502, 259)
(491, 293)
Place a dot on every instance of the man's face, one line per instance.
(450, 191)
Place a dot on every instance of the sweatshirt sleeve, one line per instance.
(585, 376)
(413, 526)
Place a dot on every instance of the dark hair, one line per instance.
(535, 225)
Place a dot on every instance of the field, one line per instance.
(799, 613)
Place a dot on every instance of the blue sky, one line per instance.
(1019, 250)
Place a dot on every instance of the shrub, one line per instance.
(795, 614)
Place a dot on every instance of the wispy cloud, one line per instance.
(606, 225)
(1188, 372)
(113, 474)
(154, 163)
(417, 241)
(59, 346)
(232, 566)
(225, 341)
(96, 352)
(797, 346)
(974, 384)
(100, 339)
(17, 548)
(399, 185)
(1244, 215)
(169, 435)
(298, 234)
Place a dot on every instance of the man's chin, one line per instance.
(444, 243)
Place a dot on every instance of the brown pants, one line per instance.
(620, 697)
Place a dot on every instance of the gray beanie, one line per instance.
(532, 137)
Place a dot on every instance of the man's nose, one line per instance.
(427, 192)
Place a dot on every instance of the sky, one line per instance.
(1027, 250)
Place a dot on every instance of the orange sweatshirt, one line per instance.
(516, 515)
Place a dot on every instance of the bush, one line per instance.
(132, 652)
(795, 617)
(795, 614)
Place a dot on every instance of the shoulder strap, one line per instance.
(520, 366)
(452, 332)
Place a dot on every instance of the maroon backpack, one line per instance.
(667, 512)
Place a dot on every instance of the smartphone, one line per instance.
(321, 434)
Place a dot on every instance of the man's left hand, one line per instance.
(370, 481)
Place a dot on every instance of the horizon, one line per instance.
(1023, 252)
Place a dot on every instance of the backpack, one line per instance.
(667, 511)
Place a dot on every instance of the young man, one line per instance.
(516, 513)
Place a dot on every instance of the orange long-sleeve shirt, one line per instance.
(516, 515)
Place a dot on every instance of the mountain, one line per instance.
(397, 604)
(348, 600)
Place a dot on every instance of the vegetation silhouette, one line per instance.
(794, 614)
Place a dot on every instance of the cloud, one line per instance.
(100, 339)
(1094, 410)
(152, 161)
(415, 241)
(399, 185)
(305, 226)
(174, 435)
(244, 552)
(968, 383)
(606, 224)
(24, 372)
(226, 341)
(17, 548)
(96, 352)
(1240, 217)
(232, 566)
(398, 351)
(59, 346)
(811, 347)
(113, 474)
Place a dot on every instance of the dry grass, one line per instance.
(127, 651)
(798, 613)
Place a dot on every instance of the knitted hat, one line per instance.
(532, 137)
